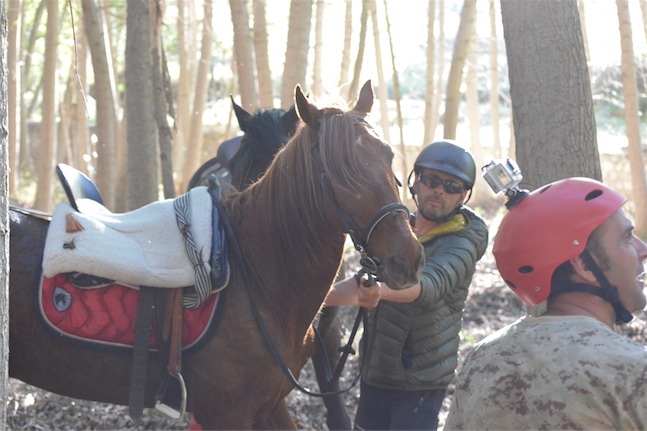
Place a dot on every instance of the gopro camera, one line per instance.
(505, 176)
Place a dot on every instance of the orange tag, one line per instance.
(71, 225)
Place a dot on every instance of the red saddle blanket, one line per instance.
(106, 315)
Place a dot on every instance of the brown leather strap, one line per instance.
(175, 349)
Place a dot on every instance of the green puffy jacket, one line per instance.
(414, 346)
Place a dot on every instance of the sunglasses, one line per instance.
(432, 181)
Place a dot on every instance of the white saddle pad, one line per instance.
(141, 247)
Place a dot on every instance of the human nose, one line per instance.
(641, 248)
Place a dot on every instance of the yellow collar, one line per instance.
(456, 223)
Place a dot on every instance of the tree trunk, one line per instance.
(345, 55)
(552, 105)
(13, 111)
(193, 157)
(4, 223)
(162, 103)
(494, 83)
(106, 120)
(429, 78)
(265, 93)
(186, 47)
(243, 54)
(382, 94)
(317, 90)
(632, 120)
(48, 122)
(435, 111)
(141, 131)
(296, 54)
(80, 131)
(453, 92)
(359, 58)
(404, 166)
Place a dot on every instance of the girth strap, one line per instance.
(140, 352)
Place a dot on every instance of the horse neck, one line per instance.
(292, 253)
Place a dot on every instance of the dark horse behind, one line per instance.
(290, 227)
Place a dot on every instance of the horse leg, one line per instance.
(330, 329)
(276, 418)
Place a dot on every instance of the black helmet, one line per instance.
(445, 156)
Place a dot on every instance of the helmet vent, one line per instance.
(592, 195)
(510, 284)
(526, 269)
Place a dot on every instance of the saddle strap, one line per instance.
(143, 328)
(174, 330)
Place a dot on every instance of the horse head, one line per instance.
(362, 188)
(266, 132)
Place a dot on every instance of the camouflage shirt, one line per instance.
(549, 372)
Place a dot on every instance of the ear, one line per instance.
(365, 101)
(581, 271)
(242, 115)
(290, 121)
(306, 111)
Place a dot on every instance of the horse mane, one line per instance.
(290, 195)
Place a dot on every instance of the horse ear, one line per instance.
(242, 115)
(365, 101)
(290, 121)
(306, 111)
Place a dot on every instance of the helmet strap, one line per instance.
(606, 291)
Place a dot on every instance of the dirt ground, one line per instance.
(490, 306)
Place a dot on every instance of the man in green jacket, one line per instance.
(410, 343)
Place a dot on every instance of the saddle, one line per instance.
(173, 252)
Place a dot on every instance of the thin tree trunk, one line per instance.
(162, 108)
(632, 115)
(382, 93)
(244, 55)
(142, 136)
(296, 54)
(4, 223)
(440, 80)
(429, 76)
(398, 105)
(265, 93)
(194, 149)
(345, 55)
(186, 81)
(318, 48)
(48, 123)
(106, 117)
(13, 112)
(494, 83)
(453, 92)
(359, 58)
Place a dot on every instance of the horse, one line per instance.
(242, 160)
(287, 231)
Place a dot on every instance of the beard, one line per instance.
(437, 213)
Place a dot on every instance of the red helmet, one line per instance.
(548, 227)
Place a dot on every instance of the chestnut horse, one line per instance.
(241, 161)
(332, 178)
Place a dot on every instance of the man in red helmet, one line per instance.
(410, 343)
(568, 244)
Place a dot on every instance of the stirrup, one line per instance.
(171, 397)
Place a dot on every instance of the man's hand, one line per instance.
(368, 296)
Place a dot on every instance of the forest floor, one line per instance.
(490, 306)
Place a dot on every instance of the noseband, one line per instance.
(361, 237)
